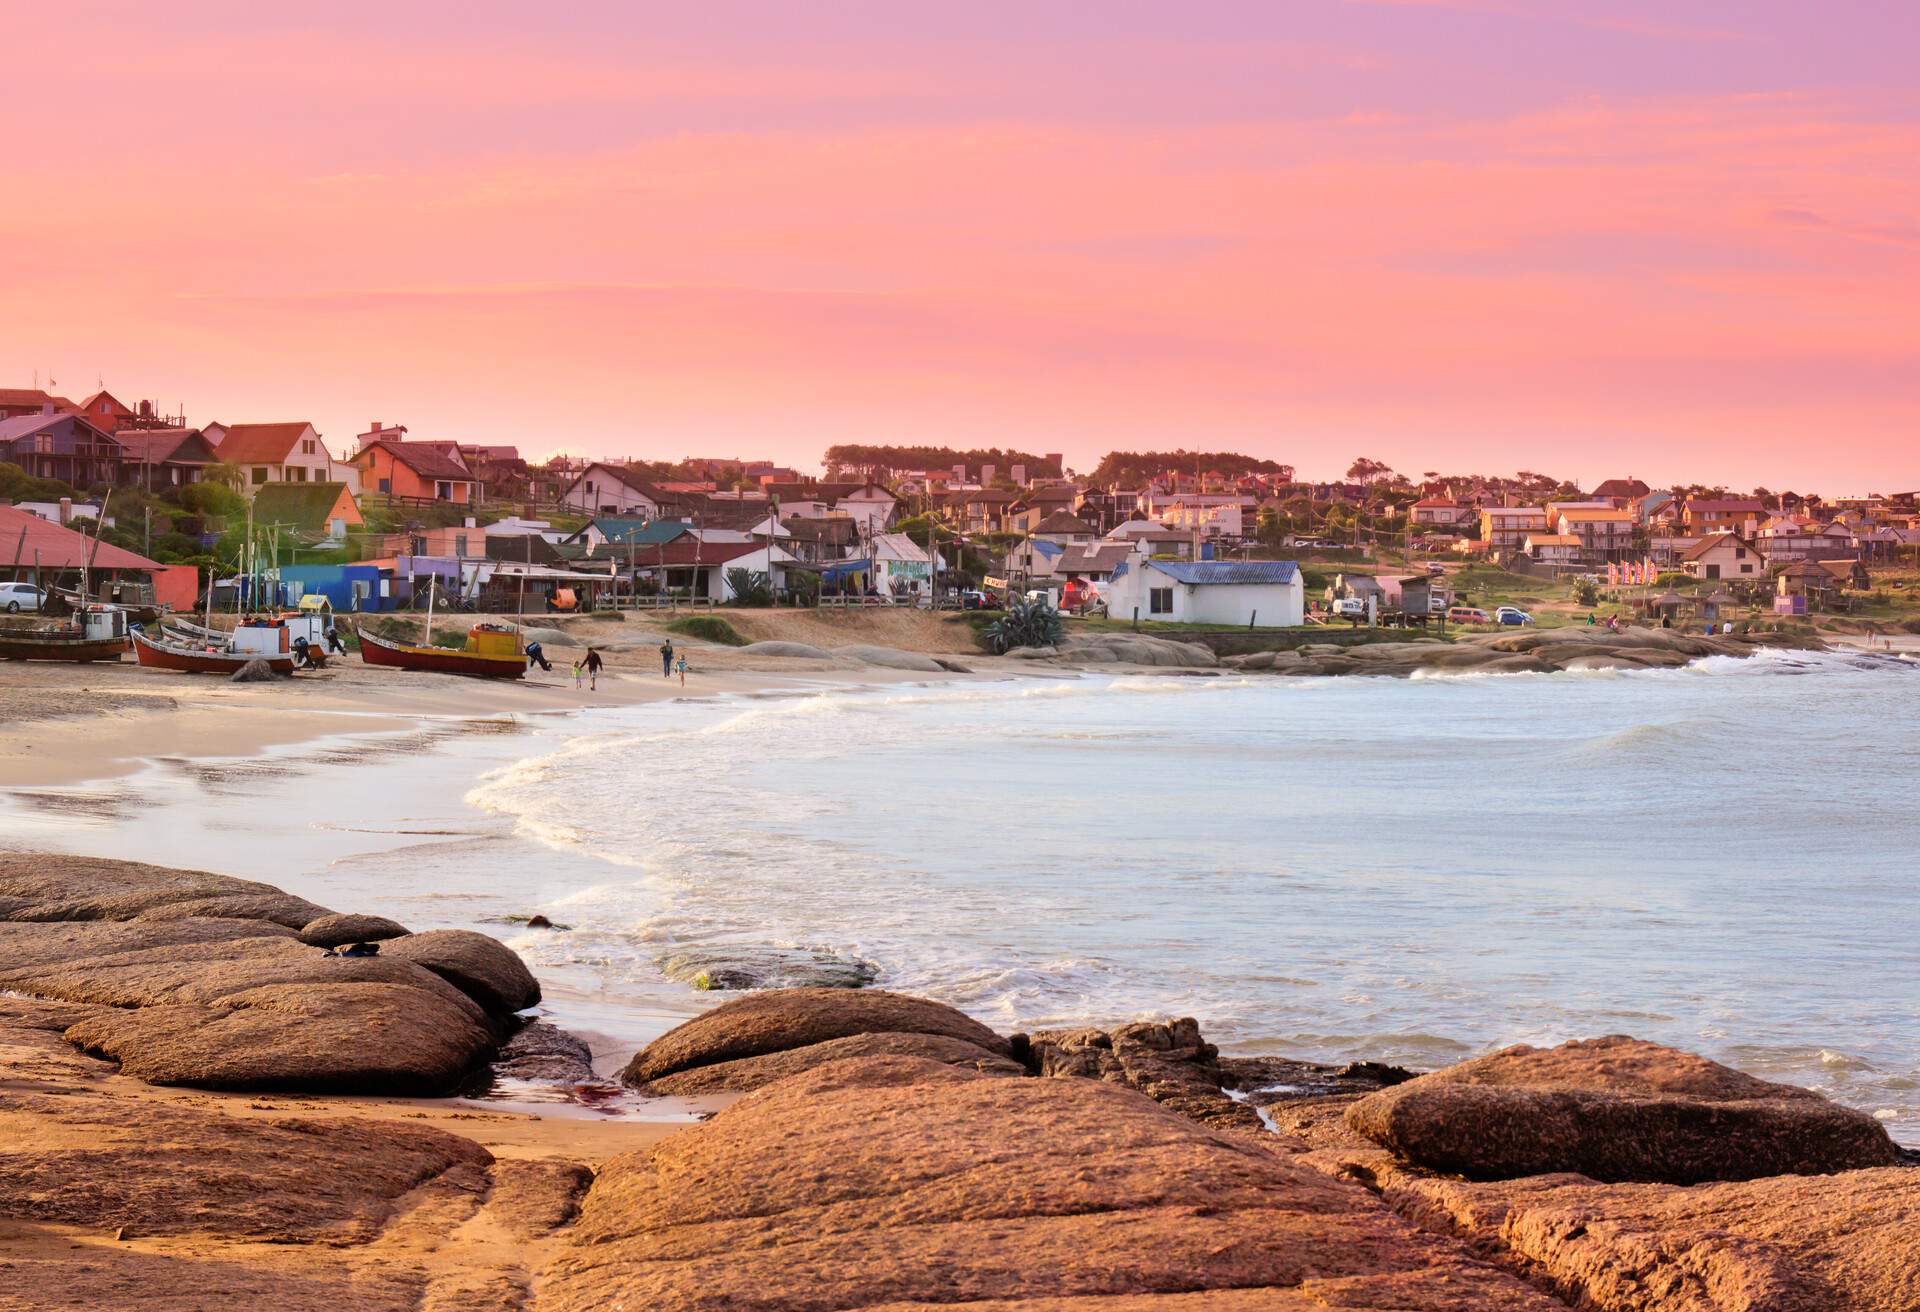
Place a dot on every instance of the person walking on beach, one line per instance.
(666, 659)
(593, 670)
(681, 665)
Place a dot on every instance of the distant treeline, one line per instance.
(1131, 468)
(861, 458)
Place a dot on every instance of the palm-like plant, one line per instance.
(1025, 624)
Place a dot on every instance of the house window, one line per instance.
(1713, 571)
(1159, 601)
(386, 485)
(306, 446)
(444, 491)
(259, 475)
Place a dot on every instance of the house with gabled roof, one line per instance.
(289, 452)
(415, 471)
(327, 509)
(1266, 593)
(165, 457)
(1723, 556)
(16, 402)
(606, 489)
(62, 446)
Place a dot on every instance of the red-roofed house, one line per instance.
(606, 489)
(18, 401)
(277, 453)
(1724, 516)
(418, 471)
(54, 554)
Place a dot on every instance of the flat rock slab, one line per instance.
(1616, 1109)
(898, 1182)
(50, 887)
(1835, 1243)
(779, 1019)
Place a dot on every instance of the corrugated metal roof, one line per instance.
(1227, 571)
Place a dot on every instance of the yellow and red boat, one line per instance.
(493, 651)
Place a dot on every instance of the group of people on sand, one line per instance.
(586, 670)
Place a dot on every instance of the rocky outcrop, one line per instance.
(723, 967)
(334, 931)
(1136, 649)
(1840, 1243)
(1174, 1065)
(113, 1195)
(485, 969)
(191, 978)
(1530, 651)
(781, 1019)
(902, 1183)
(890, 658)
(787, 650)
(745, 1074)
(1615, 1109)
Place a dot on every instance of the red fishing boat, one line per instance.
(176, 653)
(493, 651)
(98, 633)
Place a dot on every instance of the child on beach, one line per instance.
(579, 670)
(681, 665)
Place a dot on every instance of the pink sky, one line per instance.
(1674, 240)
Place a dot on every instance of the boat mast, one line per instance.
(427, 640)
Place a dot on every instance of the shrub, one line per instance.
(1586, 592)
(1024, 624)
(708, 628)
(750, 587)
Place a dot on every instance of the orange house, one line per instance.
(421, 471)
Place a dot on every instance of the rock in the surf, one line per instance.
(779, 1019)
(1616, 1109)
(723, 967)
(336, 931)
(901, 1183)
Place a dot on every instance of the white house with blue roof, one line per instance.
(1267, 593)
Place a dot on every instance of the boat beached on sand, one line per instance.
(493, 651)
(94, 633)
(179, 652)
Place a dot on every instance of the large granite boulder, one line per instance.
(1169, 1062)
(890, 658)
(780, 1019)
(544, 1053)
(901, 1183)
(338, 930)
(1616, 1109)
(1835, 1243)
(191, 978)
(485, 969)
(745, 1074)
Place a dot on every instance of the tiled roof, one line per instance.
(299, 505)
(1207, 572)
(55, 546)
(428, 459)
(260, 444)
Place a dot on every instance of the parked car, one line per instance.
(1467, 615)
(1511, 615)
(16, 597)
(1348, 608)
(972, 599)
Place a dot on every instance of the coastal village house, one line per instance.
(415, 471)
(1271, 593)
(324, 509)
(1723, 556)
(53, 555)
(62, 446)
(1740, 516)
(159, 458)
(604, 489)
(1506, 528)
(275, 453)
(1553, 548)
(1603, 534)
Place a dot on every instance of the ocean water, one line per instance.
(1721, 857)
